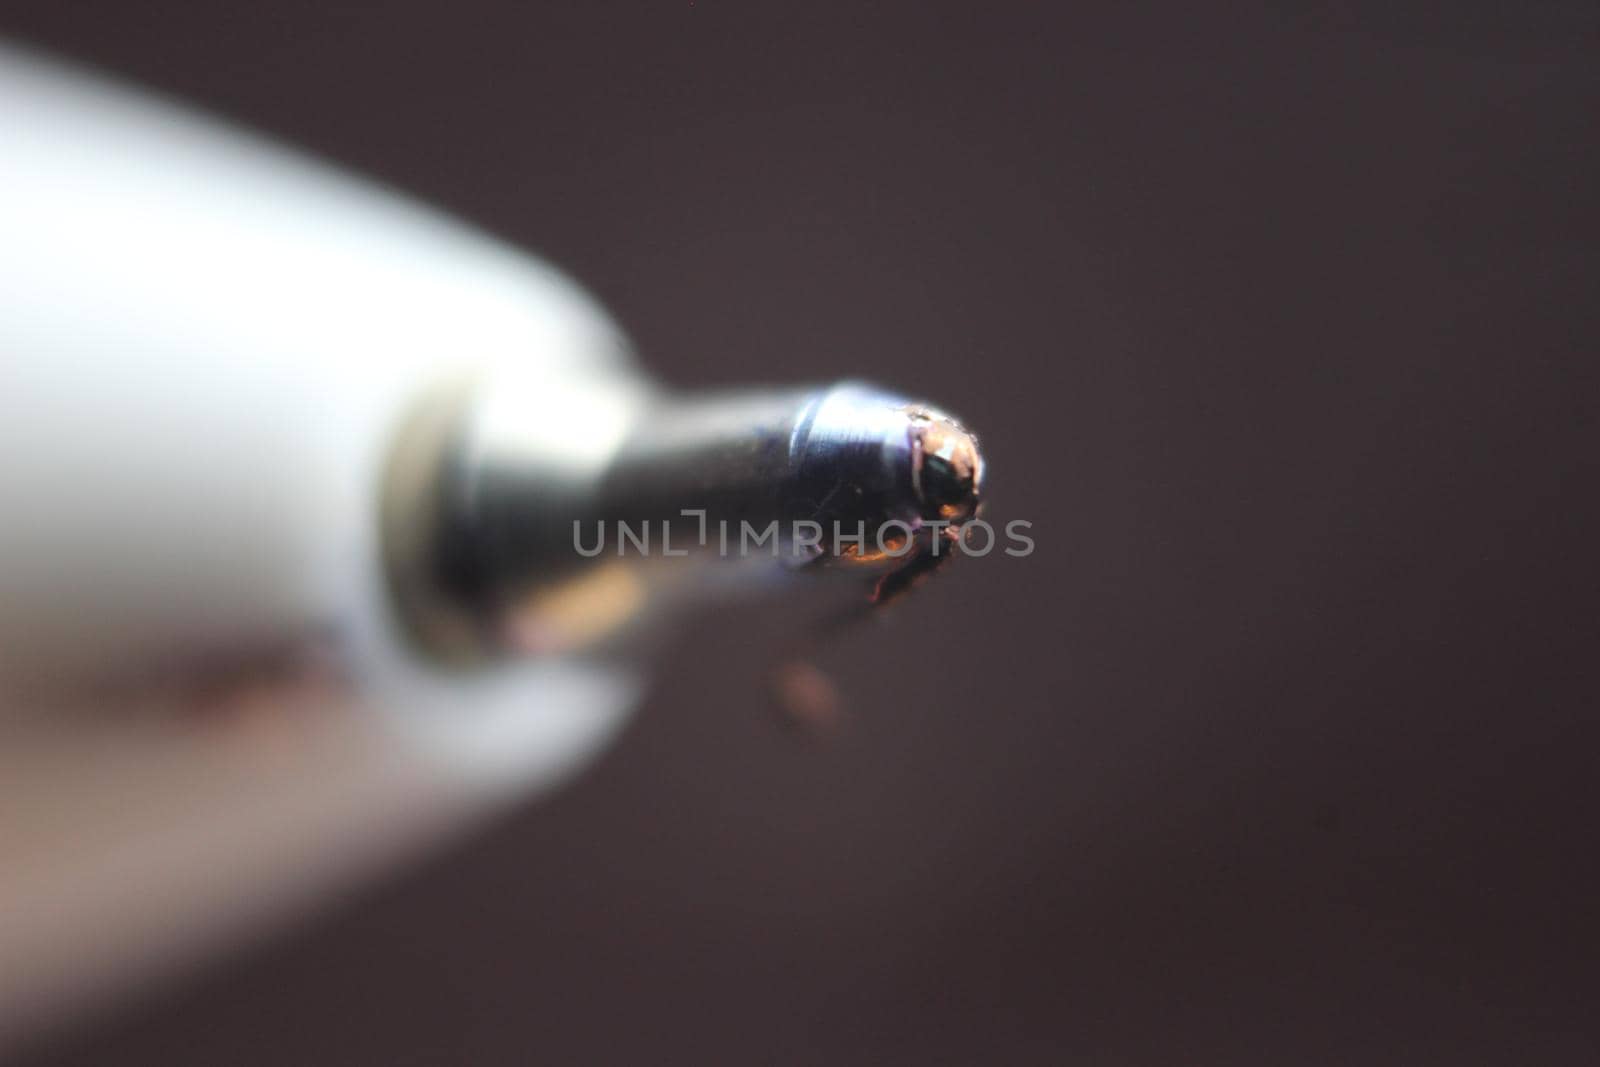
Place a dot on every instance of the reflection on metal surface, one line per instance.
(578, 612)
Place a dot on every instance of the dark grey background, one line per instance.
(1279, 326)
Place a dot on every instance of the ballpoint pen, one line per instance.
(300, 484)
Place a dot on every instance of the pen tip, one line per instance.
(946, 466)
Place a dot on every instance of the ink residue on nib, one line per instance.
(946, 482)
(946, 468)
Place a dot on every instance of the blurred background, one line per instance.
(1280, 328)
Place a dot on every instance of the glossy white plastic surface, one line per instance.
(207, 715)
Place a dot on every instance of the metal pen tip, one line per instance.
(947, 468)
(864, 453)
(846, 479)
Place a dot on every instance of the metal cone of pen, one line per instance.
(501, 542)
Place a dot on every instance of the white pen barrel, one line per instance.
(207, 345)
